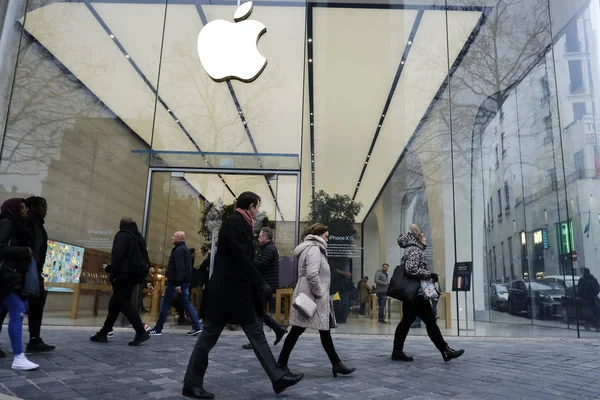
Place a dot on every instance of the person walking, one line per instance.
(363, 294)
(129, 252)
(179, 277)
(414, 262)
(37, 210)
(236, 294)
(587, 290)
(314, 279)
(15, 258)
(382, 281)
(267, 263)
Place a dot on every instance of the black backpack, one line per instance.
(138, 260)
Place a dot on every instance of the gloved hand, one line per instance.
(435, 277)
(267, 290)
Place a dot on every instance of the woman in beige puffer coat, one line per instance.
(314, 279)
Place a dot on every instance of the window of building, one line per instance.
(499, 204)
(576, 76)
(553, 178)
(572, 44)
(545, 90)
(495, 264)
(506, 196)
(497, 159)
(510, 258)
(566, 239)
(579, 110)
(580, 164)
(503, 263)
(548, 125)
(503, 143)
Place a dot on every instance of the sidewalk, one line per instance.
(491, 369)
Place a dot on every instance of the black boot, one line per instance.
(341, 369)
(285, 382)
(196, 392)
(450, 354)
(99, 337)
(401, 356)
(279, 335)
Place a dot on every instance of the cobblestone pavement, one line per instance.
(491, 369)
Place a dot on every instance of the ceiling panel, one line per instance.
(356, 53)
(424, 72)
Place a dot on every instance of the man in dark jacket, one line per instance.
(587, 290)
(123, 282)
(236, 294)
(267, 263)
(179, 277)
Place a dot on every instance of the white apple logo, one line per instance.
(229, 50)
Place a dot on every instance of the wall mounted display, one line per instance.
(63, 264)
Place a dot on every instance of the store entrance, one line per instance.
(196, 201)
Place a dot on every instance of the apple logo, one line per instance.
(229, 50)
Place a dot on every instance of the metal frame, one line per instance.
(152, 170)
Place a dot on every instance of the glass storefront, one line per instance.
(475, 119)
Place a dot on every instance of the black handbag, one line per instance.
(403, 287)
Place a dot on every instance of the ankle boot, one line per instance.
(401, 356)
(450, 354)
(341, 369)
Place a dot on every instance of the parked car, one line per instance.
(499, 297)
(535, 299)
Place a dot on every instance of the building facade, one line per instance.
(475, 119)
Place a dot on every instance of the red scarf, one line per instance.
(247, 217)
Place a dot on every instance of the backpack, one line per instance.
(138, 260)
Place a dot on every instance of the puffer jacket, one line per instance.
(267, 263)
(415, 262)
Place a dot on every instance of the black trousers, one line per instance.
(294, 335)
(211, 332)
(35, 314)
(410, 311)
(120, 302)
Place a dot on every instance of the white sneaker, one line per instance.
(21, 363)
(110, 334)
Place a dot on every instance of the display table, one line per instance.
(280, 294)
(77, 288)
(375, 309)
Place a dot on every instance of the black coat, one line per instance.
(123, 244)
(14, 254)
(180, 265)
(43, 241)
(234, 294)
(267, 263)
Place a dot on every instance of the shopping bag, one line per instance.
(31, 286)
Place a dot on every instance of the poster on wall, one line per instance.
(63, 264)
(461, 279)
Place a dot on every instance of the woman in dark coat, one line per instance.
(15, 256)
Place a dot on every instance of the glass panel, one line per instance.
(79, 106)
(192, 202)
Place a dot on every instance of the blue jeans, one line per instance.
(16, 309)
(165, 305)
(381, 303)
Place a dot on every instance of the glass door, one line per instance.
(197, 203)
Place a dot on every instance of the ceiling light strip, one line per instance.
(113, 37)
(482, 20)
(241, 115)
(407, 48)
(311, 92)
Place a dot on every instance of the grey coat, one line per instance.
(381, 282)
(314, 279)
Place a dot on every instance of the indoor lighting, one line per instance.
(310, 60)
(177, 120)
(410, 42)
(402, 62)
(168, 110)
(380, 126)
(309, 39)
(112, 36)
(383, 115)
(126, 55)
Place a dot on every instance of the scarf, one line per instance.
(247, 217)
